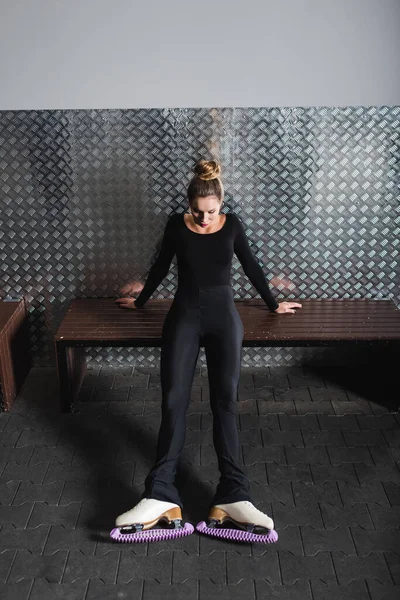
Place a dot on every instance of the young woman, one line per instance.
(203, 312)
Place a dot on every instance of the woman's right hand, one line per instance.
(287, 307)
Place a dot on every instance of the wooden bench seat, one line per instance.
(320, 322)
(14, 350)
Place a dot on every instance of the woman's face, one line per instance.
(205, 210)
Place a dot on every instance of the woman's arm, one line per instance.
(160, 267)
(251, 267)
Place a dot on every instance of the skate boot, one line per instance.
(240, 521)
(149, 521)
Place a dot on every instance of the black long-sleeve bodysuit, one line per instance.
(203, 312)
(205, 259)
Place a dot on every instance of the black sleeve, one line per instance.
(160, 267)
(251, 267)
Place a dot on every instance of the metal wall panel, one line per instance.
(85, 195)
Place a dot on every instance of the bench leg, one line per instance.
(71, 369)
(15, 360)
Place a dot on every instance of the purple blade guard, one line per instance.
(237, 534)
(151, 535)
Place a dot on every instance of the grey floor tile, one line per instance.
(16, 591)
(350, 568)
(300, 590)
(264, 567)
(217, 591)
(354, 590)
(304, 568)
(319, 540)
(32, 566)
(45, 590)
(97, 590)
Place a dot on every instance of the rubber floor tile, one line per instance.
(344, 472)
(384, 517)
(298, 394)
(259, 422)
(211, 567)
(32, 539)
(81, 567)
(339, 455)
(16, 472)
(298, 422)
(344, 422)
(298, 516)
(289, 540)
(323, 407)
(329, 437)
(371, 492)
(263, 567)
(320, 540)
(355, 590)
(270, 407)
(393, 561)
(217, 591)
(367, 473)
(209, 544)
(157, 567)
(393, 492)
(381, 591)
(272, 492)
(280, 473)
(189, 543)
(64, 538)
(16, 515)
(320, 393)
(16, 591)
(257, 454)
(351, 568)
(6, 560)
(303, 568)
(19, 456)
(172, 591)
(55, 515)
(316, 455)
(371, 437)
(384, 422)
(346, 516)
(37, 492)
(300, 590)
(7, 492)
(33, 566)
(376, 541)
(45, 590)
(308, 492)
(290, 437)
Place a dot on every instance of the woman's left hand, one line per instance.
(287, 307)
(126, 303)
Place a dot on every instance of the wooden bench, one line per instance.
(14, 350)
(320, 322)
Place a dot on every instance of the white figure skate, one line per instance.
(150, 520)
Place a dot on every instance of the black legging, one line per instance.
(200, 316)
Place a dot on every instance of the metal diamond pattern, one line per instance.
(85, 195)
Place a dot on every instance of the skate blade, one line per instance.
(162, 531)
(230, 529)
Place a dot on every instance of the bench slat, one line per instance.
(100, 320)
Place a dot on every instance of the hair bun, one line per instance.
(207, 169)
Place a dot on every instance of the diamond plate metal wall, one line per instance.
(85, 196)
